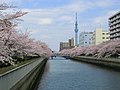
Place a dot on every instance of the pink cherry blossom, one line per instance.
(17, 44)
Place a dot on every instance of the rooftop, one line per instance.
(115, 14)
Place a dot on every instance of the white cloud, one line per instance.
(82, 5)
(45, 21)
(105, 3)
(99, 20)
(13, 2)
(58, 23)
(46, 37)
(104, 18)
(63, 13)
(65, 18)
(33, 31)
(39, 16)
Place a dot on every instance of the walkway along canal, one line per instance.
(65, 74)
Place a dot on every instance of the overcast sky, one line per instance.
(52, 21)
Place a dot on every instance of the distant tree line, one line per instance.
(106, 49)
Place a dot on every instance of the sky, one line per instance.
(52, 21)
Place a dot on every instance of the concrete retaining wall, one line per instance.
(24, 77)
(114, 63)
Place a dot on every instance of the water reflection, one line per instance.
(62, 74)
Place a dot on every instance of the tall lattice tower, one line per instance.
(76, 32)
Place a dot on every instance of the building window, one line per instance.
(107, 37)
(103, 37)
(103, 33)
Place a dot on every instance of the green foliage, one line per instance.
(8, 68)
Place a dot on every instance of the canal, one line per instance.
(65, 74)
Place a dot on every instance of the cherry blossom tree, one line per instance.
(111, 49)
(105, 49)
(15, 44)
(7, 25)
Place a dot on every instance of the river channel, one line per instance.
(66, 74)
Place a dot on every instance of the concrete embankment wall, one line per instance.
(25, 77)
(108, 62)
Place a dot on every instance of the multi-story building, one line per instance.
(100, 36)
(114, 26)
(71, 42)
(67, 45)
(85, 39)
(64, 45)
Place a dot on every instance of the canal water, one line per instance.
(65, 74)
